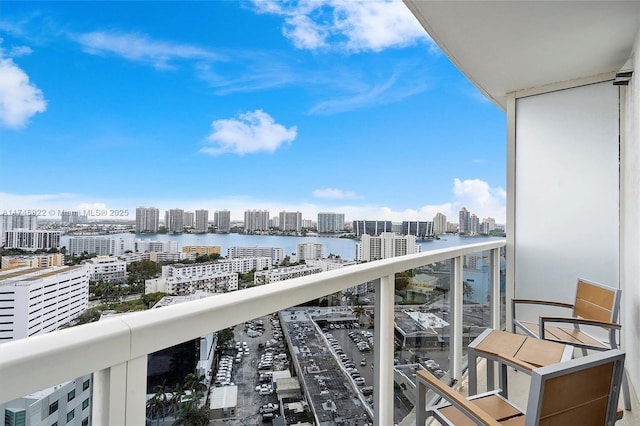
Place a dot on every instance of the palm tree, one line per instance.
(176, 399)
(192, 415)
(158, 404)
(358, 311)
(195, 383)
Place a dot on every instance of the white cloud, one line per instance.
(251, 132)
(139, 48)
(480, 198)
(20, 51)
(19, 98)
(333, 193)
(353, 26)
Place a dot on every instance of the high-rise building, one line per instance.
(9, 222)
(174, 221)
(488, 225)
(147, 220)
(439, 224)
(474, 224)
(256, 220)
(32, 240)
(290, 221)
(419, 229)
(222, 221)
(463, 221)
(202, 221)
(72, 217)
(385, 246)
(329, 222)
(188, 219)
(371, 227)
(310, 251)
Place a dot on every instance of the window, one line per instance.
(70, 415)
(53, 407)
(85, 385)
(71, 395)
(85, 403)
(85, 422)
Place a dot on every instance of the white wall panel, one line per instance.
(567, 186)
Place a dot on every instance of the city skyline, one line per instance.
(238, 106)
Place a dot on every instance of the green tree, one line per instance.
(190, 414)
(224, 336)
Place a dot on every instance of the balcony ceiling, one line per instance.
(505, 46)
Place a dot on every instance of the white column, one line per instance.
(495, 288)
(119, 394)
(383, 356)
(455, 320)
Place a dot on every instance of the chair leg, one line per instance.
(421, 415)
(625, 391)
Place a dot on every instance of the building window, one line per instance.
(85, 422)
(70, 415)
(85, 403)
(71, 395)
(85, 385)
(53, 407)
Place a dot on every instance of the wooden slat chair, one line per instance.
(595, 306)
(583, 391)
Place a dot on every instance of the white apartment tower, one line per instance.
(147, 220)
(222, 221)
(9, 222)
(439, 224)
(32, 240)
(188, 219)
(202, 221)
(329, 222)
(290, 221)
(385, 246)
(256, 220)
(174, 221)
(310, 251)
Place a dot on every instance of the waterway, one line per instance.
(343, 247)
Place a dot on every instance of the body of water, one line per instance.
(344, 247)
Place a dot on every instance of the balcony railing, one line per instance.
(115, 350)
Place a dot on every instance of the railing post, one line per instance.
(455, 319)
(383, 351)
(119, 394)
(494, 258)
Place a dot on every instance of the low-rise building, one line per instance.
(223, 402)
(202, 250)
(210, 282)
(281, 274)
(107, 268)
(45, 260)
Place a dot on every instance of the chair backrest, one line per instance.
(596, 301)
(582, 391)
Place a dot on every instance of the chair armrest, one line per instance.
(579, 321)
(456, 399)
(541, 302)
(516, 363)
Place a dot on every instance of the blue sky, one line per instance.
(297, 106)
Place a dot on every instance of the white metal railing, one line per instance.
(116, 349)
